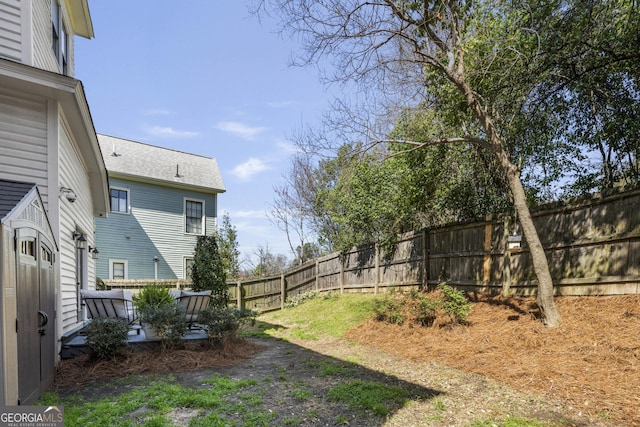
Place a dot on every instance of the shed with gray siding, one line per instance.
(28, 286)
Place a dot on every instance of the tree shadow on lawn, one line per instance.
(288, 385)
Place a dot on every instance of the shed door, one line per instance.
(35, 292)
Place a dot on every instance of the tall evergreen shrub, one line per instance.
(208, 272)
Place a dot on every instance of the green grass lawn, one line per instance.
(325, 316)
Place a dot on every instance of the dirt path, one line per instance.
(441, 396)
(437, 396)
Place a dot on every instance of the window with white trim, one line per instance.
(193, 216)
(188, 263)
(118, 269)
(119, 200)
(59, 37)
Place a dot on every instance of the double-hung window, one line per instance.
(188, 263)
(119, 200)
(118, 269)
(59, 37)
(193, 216)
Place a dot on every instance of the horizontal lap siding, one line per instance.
(155, 227)
(23, 140)
(26, 34)
(73, 174)
(43, 56)
(10, 30)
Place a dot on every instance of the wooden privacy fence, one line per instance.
(592, 244)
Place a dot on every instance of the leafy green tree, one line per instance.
(499, 76)
(325, 211)
(305, 253)
(208, 271)
(453, 47)
(444, 183)
(367, 203)
(592, 51)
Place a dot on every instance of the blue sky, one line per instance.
(205, 77)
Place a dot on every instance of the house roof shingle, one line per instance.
(137, 159)
(11, 193)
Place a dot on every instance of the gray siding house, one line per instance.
(161, 201)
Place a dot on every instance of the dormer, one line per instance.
(40, 33)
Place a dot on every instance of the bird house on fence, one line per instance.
(514, 241)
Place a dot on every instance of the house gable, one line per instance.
(138, 161)
(22, 206)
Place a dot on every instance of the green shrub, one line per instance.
(389, 310)
(167, 320)
(425, 310)
(454, 303)
(208, 272)
(330, 295)
(414, 293)
(107, 338)
(223, 323)
(296, 300)
(152, 296)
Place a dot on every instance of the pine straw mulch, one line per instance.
(82, 370)
(591, 361)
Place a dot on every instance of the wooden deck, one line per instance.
(78, 344)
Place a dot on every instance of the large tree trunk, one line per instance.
(550, 315)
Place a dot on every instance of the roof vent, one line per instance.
(178, 172)
(114, 153)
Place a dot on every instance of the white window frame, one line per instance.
(202, 218)
(59, 38)
(185, 271)
(119, 261)
(126, 190)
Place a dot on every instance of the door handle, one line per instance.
(43, 319)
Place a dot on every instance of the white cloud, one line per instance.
(252, 228)
(286, 147)
(250, 168)
(168, 132)
(240, 129)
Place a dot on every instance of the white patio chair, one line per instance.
(113, 304)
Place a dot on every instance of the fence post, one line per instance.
(486, 267)
(283, 291)
(506, 259)
(342, 259)
(425, 259)
(317, 285)
(239, 294)
(377, 269)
